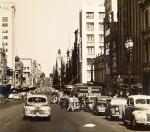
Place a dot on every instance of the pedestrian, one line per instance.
(70, 106)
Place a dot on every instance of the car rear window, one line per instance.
(37, 100)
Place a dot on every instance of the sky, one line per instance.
(43, 27)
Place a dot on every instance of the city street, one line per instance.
(61, 121)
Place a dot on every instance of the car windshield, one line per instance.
(143, 101)
(37, 100)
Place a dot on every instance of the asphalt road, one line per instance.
(61, 121)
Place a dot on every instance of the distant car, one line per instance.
(137, 111)
(37, 106)
(115, 108)
(11, 96)
(89, 102)
(16, 96)
(100, 105)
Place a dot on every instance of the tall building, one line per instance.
(111, 44)
(7, 29)
(92, 35)
(27, 72)
(145, 24)
(129, 27)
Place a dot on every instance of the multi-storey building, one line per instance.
(36, 72)
(129, 26)
(2, 66)
(7, 29)
(27, 72)
(92, 35)
(111, 44)
(18, 72)
(145, 24)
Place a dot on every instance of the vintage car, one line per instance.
(100, 105)
(37, 106)
(89, 102)
(74, 103)
(115, 108)
(137, 111)
(16, 96)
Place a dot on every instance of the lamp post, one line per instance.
(129, 46)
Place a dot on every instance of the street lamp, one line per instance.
(129, 46)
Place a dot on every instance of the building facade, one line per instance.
(3, 62)
(7, 31)
(129, 27)
(111, 45)
(18, 72)
(92, 35)
(145, 33)
(27, 72)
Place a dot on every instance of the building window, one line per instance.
(5, 31)
(101, 38)
(6, 50)
(90, 26)
(4, 19)
(101, 49)
(101, 15)
(147, 53)
(90, 15)
(90, 38)
(5, 37)
(101, 27)
(90, 50)
(4, 24)
(146, 18)
(4, 44)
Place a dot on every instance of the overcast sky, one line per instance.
(43, 26)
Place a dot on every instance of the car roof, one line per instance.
(139, 96)
(36, 95)
(91, 96)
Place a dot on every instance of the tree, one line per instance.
(62, 73)
(56, 79)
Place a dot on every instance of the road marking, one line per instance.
(89, 125)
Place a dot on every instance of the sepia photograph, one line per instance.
(74, 65)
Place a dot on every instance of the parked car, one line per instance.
(100, 105)
(37, 106)
(11, 96)
(115, 108)
(137, 111)
(16, 96)
(89, 102)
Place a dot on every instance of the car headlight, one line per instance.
(117, 108)
(98, 107)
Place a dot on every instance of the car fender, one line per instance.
(135, 113)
